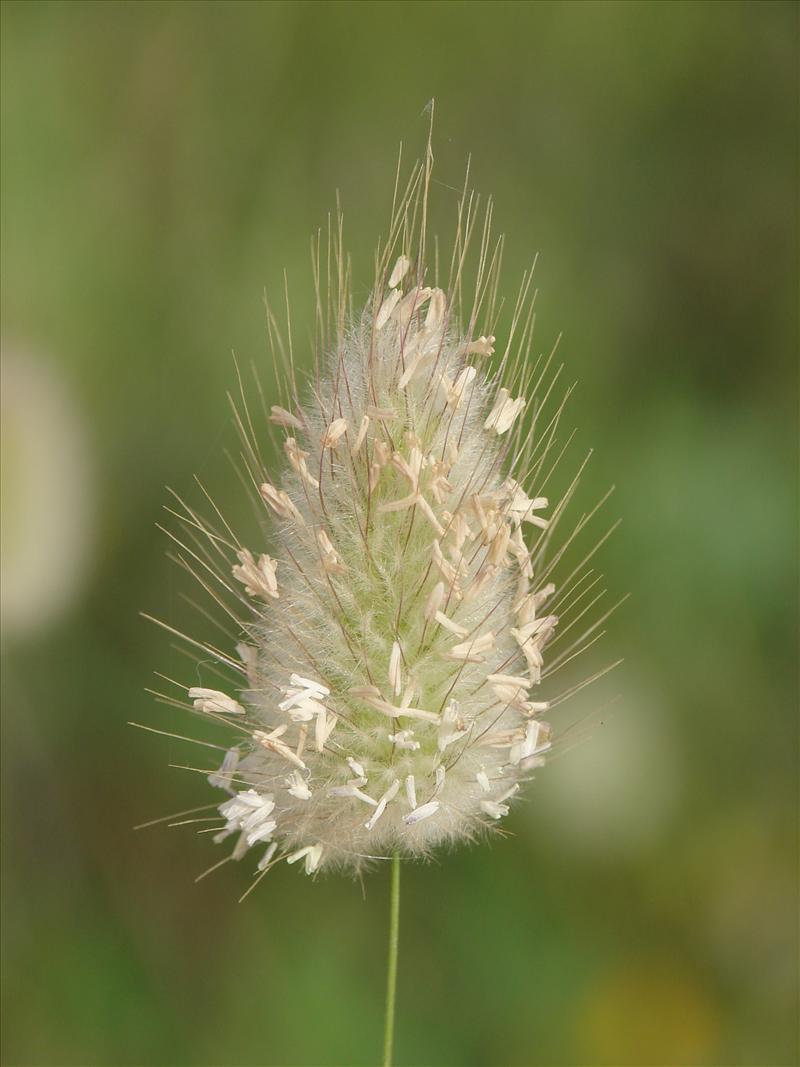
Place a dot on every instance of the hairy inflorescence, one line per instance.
(388, 690)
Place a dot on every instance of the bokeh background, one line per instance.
(162, 163)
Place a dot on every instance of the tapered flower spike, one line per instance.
(396, 619)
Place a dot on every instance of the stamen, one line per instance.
(362, 433)
(271, 742)
(386, 308)
(330, 558)
(281, 503)
(297, 786)
(423, 812)
(282, 417)
(312, 855)
(472, 651)
(258, 578)
(223, 778)
(399, 271)
(504, 413)
(212, 700)
(448, 624)
(297, 459)
(435, 601)
(263, 863)
(387, 797)
(402, 739)
(334, 433)
(395, 671)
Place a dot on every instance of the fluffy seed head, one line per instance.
(395, 638)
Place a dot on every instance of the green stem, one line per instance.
(391, 973)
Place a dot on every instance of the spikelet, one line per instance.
(396, 635)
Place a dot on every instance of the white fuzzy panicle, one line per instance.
(397, 611)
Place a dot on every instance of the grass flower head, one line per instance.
(389, 691)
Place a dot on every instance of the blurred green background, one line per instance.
(162, 163)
